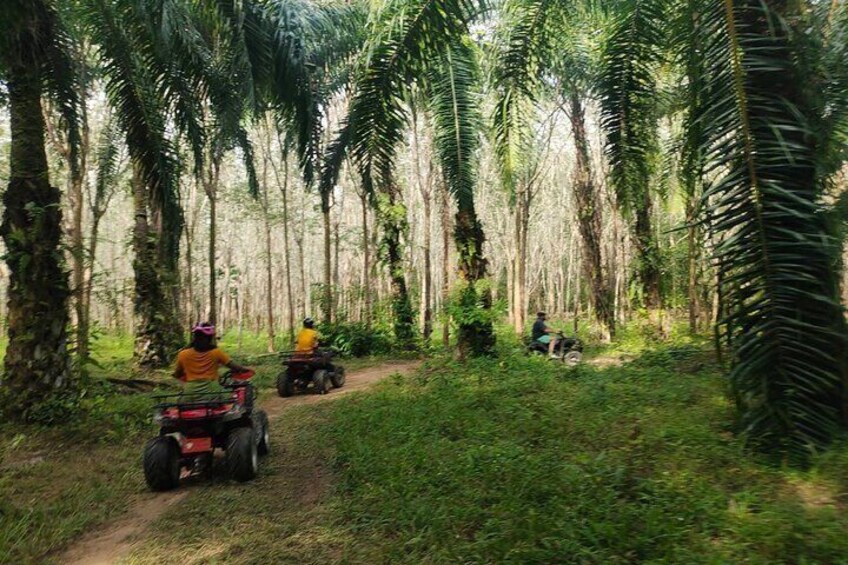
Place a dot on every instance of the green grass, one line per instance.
(507, 460)
(519, 461)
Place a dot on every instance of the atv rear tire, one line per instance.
(260, 419)
(319, 379)
(338, 377)
(162, 464)
(242, 455)
(285, 385)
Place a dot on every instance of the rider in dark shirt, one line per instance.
(543, 334)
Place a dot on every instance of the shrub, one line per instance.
(355, 338)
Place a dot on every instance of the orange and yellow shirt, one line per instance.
(201, 366)
(307, 340)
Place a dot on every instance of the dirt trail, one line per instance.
(108, 546)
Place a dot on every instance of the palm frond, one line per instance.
(406, 37)
(627, 88)
(454, 104)
(783, 318)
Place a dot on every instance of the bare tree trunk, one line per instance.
(693, 256)
(284, 188)
(211, 188)
(446, 242)
(269, 276)
(366, 260)
(328, 264)
(189, 237)
(427, 298)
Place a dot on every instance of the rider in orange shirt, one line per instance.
(197, 365)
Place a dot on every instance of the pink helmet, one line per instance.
(205, 328)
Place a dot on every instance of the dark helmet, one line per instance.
(540, 314)
(308, 323)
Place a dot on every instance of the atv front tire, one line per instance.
(572, 358)
(319, 379)
(337, 377)
(285, 385)
(242, 455)
(162, 464)
(260, 420)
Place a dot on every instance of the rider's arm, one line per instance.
(235, 368)
(179, 370)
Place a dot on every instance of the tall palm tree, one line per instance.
(633, 53)
(34, 60)
(774, 118)
(423, 41)
(544, 41)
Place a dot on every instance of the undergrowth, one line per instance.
(523, 461)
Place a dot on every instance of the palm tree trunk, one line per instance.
(151, 340)
(475, 336)
(589, 218)
(648, 255)
(37, 360)
(392, 216)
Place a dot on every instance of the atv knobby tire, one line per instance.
(338, 377)
(162, 463)
(242, 456)
(319, 379)
(285, 385)
(260, 419)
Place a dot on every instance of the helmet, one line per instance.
(308, 322)
(540, 314)
(205, 328)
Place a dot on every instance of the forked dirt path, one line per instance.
(108, 546)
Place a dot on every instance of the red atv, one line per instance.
(192, 425)
(309, 369)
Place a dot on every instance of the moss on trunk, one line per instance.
(37, 361)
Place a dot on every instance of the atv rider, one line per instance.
(306, 346)
(544, 334)
(197, 365)
(307, 339)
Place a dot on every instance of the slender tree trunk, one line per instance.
(211, 188)
(427, 299)
(284, 188)
(693, 256)
(446, 243)
(589, 218)
(269, 276)
(366, 259)
(77, 203)
(328, 263)
(37, 360)
(88, 285)
(189, 237)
